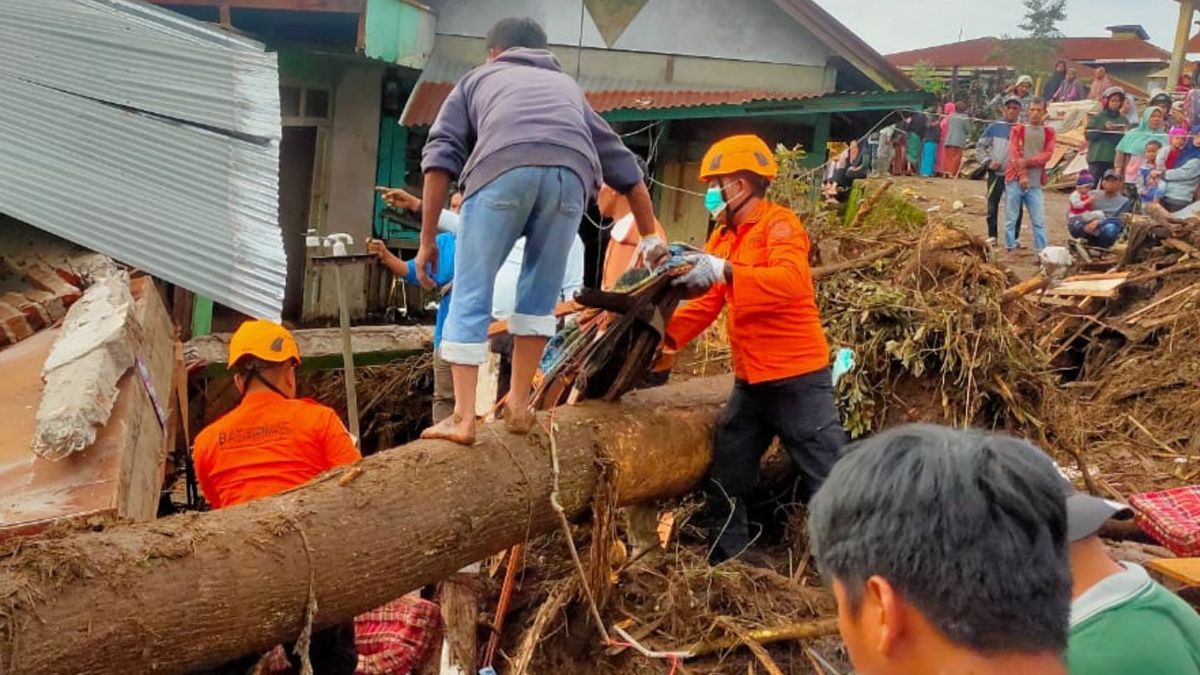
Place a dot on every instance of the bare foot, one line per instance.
(519, 423)
(454, 429)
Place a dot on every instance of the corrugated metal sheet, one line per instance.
(169, 170)
(604, 94)
(142, 57)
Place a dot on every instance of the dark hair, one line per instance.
(1037, 100)
(971, 528)
(1155, 142)
(516, 32)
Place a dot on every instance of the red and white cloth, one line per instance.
(395, 639)
(1172, 517)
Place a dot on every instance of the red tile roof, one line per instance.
(428, 96)
(1193, 45)
(981, 52)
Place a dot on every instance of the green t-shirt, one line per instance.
(1129, 624)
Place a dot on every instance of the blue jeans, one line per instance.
(1033, 200)
(541, 203)
(1106, 234)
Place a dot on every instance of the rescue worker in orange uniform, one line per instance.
(756, 264)
(269, 443)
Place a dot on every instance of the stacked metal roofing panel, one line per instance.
(146, 136)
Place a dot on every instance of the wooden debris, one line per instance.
(1090, 286)
(805, 630)
(868, 205)
(1030, 285)
(858, 263)
(1183, 570)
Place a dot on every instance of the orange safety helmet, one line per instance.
(745, 152)
(265, 341)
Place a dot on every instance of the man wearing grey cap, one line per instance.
(1122, 621)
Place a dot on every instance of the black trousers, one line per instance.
(801, 412)
(1097, 170)
(331, 651)
(995, 197)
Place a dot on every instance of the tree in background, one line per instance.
(1042, 18)
(1034, 53)
(927, 78)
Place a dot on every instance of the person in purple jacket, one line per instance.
(521, 139)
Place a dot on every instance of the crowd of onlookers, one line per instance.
(1134, 157)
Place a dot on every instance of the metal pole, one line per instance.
(347, 356)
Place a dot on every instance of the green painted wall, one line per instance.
(399, 32)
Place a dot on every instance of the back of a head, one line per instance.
(969, 528)
(516, 32)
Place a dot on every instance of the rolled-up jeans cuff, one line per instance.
(526, 325)
(464, 353)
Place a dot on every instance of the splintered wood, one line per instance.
(1090, 285)
(1123, 339)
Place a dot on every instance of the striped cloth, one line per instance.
(1172, 517)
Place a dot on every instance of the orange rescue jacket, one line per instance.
(266, 445)
(774, 325)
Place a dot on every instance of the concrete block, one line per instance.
(96, 346)
(14, 327)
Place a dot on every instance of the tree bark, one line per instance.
(196, 590)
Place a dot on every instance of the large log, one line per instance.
(195, 590)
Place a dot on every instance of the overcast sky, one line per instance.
(899, 25)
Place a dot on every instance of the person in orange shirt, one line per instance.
(756, 264)
(269, 443)
(623, 235)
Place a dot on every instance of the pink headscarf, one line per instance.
(947, 110)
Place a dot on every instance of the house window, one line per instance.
(303, 106)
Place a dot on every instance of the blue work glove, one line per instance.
(707, 271)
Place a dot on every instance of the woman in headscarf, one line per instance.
(1069, 90)
(1185, 83)
(1168, 157)
(1100, 82)
(1181, 182)
(1131, 151)
(1130, 110)
(1055, 81)
(958, 128)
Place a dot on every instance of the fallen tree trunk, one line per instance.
(195, 590)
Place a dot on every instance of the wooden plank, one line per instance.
(339, 6)
(321, 348)
(145, 441)
(1183, 570)
(120, 474)
(1089, 288)
(1097, 276)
